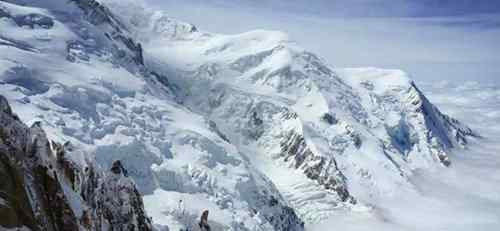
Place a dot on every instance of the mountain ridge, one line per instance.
(219, 119)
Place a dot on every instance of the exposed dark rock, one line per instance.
(22, 156)
(55, 204)
(4, 106)
(255, 126)
(294, 148)
(273, 201)
(37, 174)
(330, 119)
(447, 131)
(100, 15)
(117, 168)
(203, 224)
(213, 126)
(255, 119)
(32, 20)
(25, 77)
(77, 50)
(444, 159)
(275, 210)
(162, 79)
(16, 212)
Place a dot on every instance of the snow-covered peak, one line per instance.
(253, 128)
(376, 79)
(354, 133)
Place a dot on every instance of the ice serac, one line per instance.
(45, 189)
(83, 81)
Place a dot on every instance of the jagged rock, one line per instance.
(203, 224)
(5, 107)
(121, 202)
(294, 146)
(118, 168)
(98, 14)
(42, 182)
(330, 119)
(26, 162)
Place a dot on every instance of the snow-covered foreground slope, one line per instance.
(260, 132)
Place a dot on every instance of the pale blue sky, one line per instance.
(430, 39)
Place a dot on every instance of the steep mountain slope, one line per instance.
(49, 186)
(253, 128)
(77, 70)
(343, 134)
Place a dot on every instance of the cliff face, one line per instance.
(43, 188)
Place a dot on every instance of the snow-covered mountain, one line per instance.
(78, 73)
(263, 134)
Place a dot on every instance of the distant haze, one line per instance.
(431, 40)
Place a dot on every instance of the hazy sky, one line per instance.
(430, 39)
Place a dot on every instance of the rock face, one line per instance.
(295, 149)
(99, 15)
(43, 189)
(121, 201)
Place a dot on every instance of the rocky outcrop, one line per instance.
(455, 133)
(100, 15)
(121, 202)
(44, 189)
(33, 197)
(294, 149)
